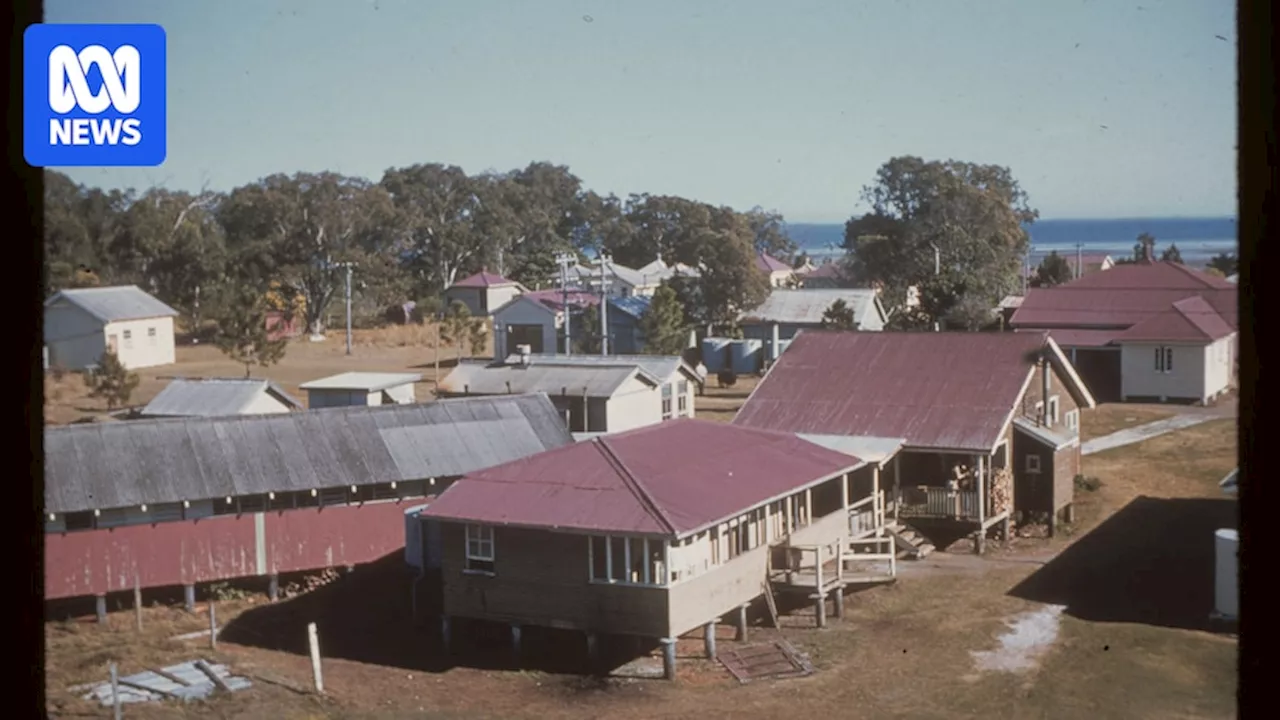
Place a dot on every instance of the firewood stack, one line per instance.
(1002, 491)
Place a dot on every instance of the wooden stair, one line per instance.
(910, 543)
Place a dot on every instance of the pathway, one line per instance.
(1185, 419)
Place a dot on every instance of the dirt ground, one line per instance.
(409, 348)
(720, 403)
(917, 648)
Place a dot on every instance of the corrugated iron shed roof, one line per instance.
(671, 479)
(478, 378)
(662, 367)
(554, 300)
(634, 305)
(128, 464)
(1100, 308)
(213, 397)
(113, 304)
(1047, 436)
(945, 391)
(366, 381)
(1149, 276)
(805, 307)
(1191, 320)
(484, 279)
(1081, 338)
(870, 449)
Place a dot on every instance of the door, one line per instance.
(530, 335)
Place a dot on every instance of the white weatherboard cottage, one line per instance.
(81, 324)
(361, 388)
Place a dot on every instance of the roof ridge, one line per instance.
(634, 485)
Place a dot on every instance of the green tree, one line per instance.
(952, 229)
(1144, 247)
(770, 232)
(585, 327)
(839, 316)
(460, 329)
(1054, 270)
(242, 331)
(111, 381)
(663, 324)
(1225, 263)
(1171, 254)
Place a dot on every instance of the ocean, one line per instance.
(1198, 239)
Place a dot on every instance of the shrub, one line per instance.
(1087, 484)
(727, 378)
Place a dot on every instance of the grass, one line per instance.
(407, 348)
(902, 650)
(1112, 417)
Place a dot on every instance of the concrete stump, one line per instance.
(709, 639)
(669, 658)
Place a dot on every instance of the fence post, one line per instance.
(313, 639)
(137, 601)
(115, 692)
(213, 626)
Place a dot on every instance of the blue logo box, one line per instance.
(94, 95)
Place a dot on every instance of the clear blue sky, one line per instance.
(788, 105)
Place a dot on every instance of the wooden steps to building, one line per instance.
(910, 543)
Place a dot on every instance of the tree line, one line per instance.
(955, 231)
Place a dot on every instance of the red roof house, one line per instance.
(778, 271)
(652, 532)
(483, 292)
(1154, 330)
(966, 405)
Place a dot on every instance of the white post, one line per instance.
(115, 692)
(313, 639)
(604, 305)
(348, 265)
(877, 503)
(564, 259)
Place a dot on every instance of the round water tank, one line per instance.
(413, 537)
(714, 350)
(745, 355)
(1227, 584)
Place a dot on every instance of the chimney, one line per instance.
(524, 351)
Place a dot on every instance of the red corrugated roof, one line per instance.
(1082, 338)
(668, 479)
(1192, 319)
(483, 279)
(554, 299)
(936, 390)
(1125, 296)
(768, 263)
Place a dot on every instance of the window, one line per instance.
(682, 398)
(479, 549)
(1053, 411)
(626, 561)
(1033, 464)
(128, 338)
(800, 510)
(666, 402)
(151, 336)
(1164, 359)
(1073, 420)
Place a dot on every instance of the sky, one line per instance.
(1101, 109)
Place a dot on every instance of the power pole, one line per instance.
(604, 304)
(348, 266)
(1079, 259)
(937, 270)
(564, 259)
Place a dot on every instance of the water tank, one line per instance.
(744, 356)
(1226, 602)
(413, 537)
(714, 350)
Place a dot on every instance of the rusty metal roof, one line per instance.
(1081, 338)
(1118, 308)
(127, 464)
(484, 279)
(490, 378)
(946, 391)
(770, 264)
(213, 397)
(1150, 276)
(671, 479)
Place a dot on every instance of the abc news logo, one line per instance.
(69, 91)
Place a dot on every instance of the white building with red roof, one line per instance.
(1156, 331)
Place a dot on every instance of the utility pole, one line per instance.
(1079, 259)
(348, 266)
(564, 259)
(604, 303)
(937, 270)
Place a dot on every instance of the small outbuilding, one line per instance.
(81, 324)
(483, 292)
(218, 397)
(362, 388)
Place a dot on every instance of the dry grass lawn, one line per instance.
(1112, 417)
(407, 348)
(904, 650)
(721, 404)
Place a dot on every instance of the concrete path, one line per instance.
(1132, 435)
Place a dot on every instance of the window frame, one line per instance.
(667, 392)
(126, 339)
(655, 572)
(476, 560)
(1164, 359)
(1032, 464)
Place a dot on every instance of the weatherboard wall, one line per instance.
(1187, 380)
(225, 547)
